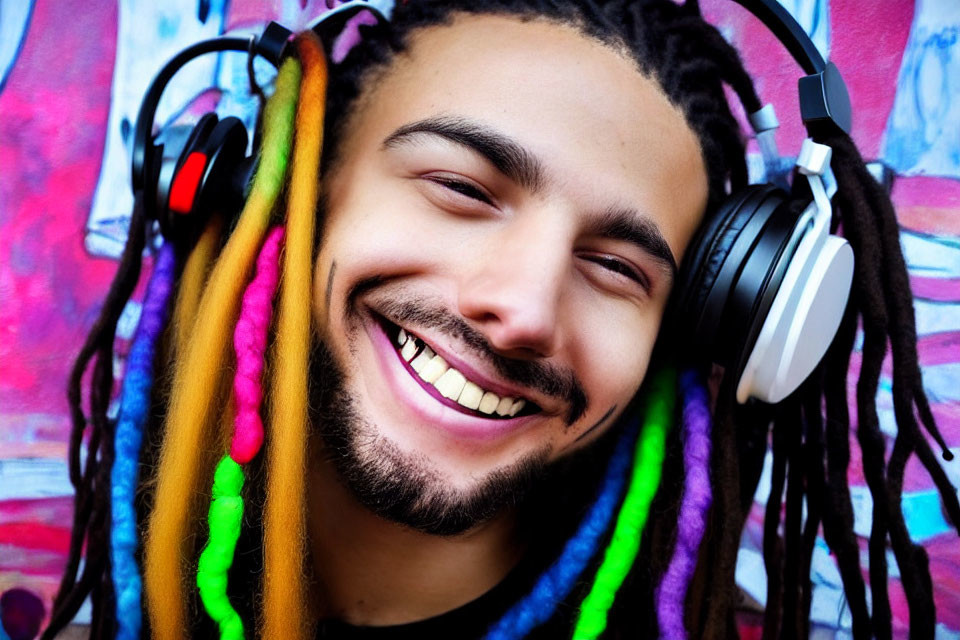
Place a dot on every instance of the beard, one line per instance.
(400, 486)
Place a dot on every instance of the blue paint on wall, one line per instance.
(923, 131)
(814, 17)
(14, 23)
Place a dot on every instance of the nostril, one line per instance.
(519, 321)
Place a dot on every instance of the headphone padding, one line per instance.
(730, 258)
(737, 214)
(695, 260)
(759, 280)
(225, 148)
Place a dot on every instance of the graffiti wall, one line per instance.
(70, 86)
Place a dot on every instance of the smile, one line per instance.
(447, 384)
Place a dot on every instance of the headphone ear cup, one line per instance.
(706, 259)
(203, 180)
(226, 151)
(799, 325)
(697, 257)
(166, 150)
(174, 158)
(736, 220)
(734, 269)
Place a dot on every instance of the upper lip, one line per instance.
(497, 385)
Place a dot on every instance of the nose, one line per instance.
(512, 289)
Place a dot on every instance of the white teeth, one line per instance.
(489, 402)
(504, 407)
(408, 350)
(450, 384)
(418, 363)
(470, 396)
(434, 369)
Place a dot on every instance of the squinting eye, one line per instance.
(622, 268)
(463, 188)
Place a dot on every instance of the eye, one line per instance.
(620, 268)
(462, 187)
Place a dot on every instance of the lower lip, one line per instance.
(429, 409)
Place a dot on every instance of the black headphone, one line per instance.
(186, 172)
(761, 290)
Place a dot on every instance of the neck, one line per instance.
(373, 572)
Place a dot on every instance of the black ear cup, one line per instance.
(731, 274)
(199, 172)
(172, 150)
(709, 249)
(225, 155)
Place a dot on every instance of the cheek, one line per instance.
(366, 238)
(371, 235)
(384, 218)
(614, 360)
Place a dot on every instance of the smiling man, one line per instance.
(508, 197)
(480, 279)
(490, 299)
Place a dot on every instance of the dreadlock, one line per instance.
(91, 483)
(257, 502)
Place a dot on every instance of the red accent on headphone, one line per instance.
(185, 183)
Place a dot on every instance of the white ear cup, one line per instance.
(801, 325)
(805, 313)
(818, 316)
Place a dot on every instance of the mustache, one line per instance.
(550, 380)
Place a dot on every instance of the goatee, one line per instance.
(397, 485)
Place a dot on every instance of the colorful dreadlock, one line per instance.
(91, 502)
(284, 591)
(250, 344)
(134, 405)
(224, 518)
(644, 480)
(196, 268)
(199, 369)
(556, 583)
(692, 518)
(226, 508)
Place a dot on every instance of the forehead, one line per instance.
(603, 131)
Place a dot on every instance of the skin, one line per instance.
(520, 261)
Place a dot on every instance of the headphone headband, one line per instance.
(788, 31)
(823, 93)
(270, 45)
(736, 265)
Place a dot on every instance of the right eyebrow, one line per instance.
(507, 155)
(631, 226)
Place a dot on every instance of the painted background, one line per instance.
(70, 83)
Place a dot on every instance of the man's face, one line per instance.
(515, 197)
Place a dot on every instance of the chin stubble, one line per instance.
(401, 486)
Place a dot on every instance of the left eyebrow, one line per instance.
(629, 225)
(507, 155)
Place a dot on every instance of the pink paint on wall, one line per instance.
(54, 109)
